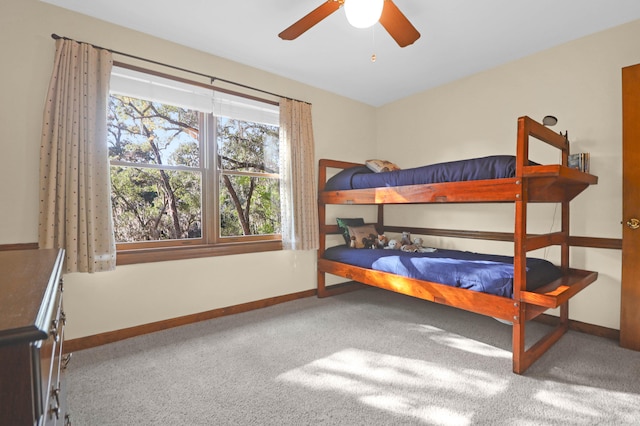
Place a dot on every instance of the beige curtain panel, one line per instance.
(75, 203)
(298, 190)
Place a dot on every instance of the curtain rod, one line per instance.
(213, 78)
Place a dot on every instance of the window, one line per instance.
(191, 166)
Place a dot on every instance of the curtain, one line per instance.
(298, 192)
(75, 203)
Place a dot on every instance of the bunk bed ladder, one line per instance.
(522, 356)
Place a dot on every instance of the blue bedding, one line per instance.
(492, 167)
(486, 273)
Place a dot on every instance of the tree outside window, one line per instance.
(183, 176)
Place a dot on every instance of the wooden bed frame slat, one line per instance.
(555, 183)
(473, 301)
(504, 190)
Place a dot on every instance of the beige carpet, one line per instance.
(365, 358)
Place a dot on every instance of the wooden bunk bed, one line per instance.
(531, 184)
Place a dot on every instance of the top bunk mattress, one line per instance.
(360, 177)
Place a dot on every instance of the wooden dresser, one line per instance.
(31, 335)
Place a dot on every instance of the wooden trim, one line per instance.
(117, 335)
(126, 333)
(582, 327)
(161, 254)
(19, 246)
(594, 242)
(574, 241)
(453, 233)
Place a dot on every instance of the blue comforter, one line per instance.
(492, 167)
(486, 273)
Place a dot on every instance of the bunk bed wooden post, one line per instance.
(564, 246)
(520, 248)
(380, 219)
(322, 231)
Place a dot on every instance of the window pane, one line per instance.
(247, 147)
(151, 204)
(249, 206)
(141, 131)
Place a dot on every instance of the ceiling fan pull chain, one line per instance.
(373, 43)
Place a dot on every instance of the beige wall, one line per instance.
(578, 82)
(139, 294)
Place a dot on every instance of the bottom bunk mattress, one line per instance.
(486, 273)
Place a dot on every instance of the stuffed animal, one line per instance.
(410, 248)
(370, 242)
(427, 249)
(417, 242)
(393, 245)
(352, 244)
(406, 239)
(383, 241)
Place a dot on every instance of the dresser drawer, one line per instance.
(31, 335)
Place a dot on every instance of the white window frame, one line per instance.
(135, 82)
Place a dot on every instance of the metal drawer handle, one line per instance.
(633, 223)
(54, 330)
(65, 360)
(55, 410)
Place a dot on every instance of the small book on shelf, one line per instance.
(579, 161)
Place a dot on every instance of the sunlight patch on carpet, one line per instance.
(589, 402)
(459, 342)
(399, 385)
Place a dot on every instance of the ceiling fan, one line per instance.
(391, 18)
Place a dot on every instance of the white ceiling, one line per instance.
(459, 37)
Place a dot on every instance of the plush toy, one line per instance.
(406, 239)
(410, 248)
(370, 242)
(383, 241)
(393, 245)
(427, 249)
(353, 242)
(417, 242)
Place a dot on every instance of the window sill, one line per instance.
(162, 254)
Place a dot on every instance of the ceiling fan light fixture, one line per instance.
(363, 13)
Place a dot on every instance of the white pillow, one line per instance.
(381, 166)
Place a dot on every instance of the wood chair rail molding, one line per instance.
(19, 246)
(574, 241)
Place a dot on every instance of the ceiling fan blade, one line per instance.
(397, 25)
(309, 20)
